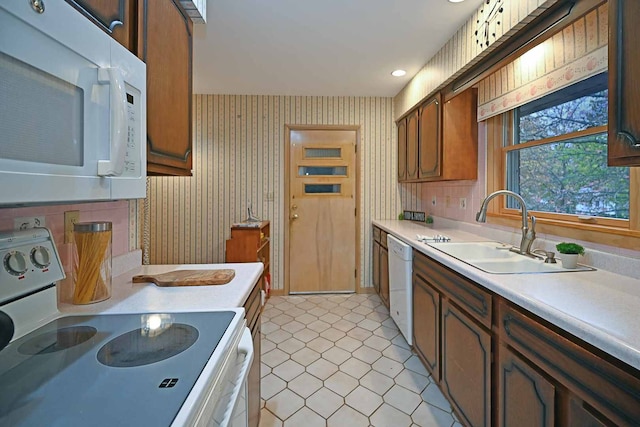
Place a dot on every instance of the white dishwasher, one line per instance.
(400, 292)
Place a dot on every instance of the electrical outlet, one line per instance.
(433, 201)
(70, 218)
(463, 203)
(26, 222)
(447, 201)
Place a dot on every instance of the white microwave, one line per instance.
(72, 108)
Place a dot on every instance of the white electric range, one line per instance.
(143, 369)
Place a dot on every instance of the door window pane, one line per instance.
(322, 188)
(322, 170)
(314, 153)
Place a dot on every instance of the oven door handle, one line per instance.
(244, 347)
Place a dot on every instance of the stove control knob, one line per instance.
(15, 262)
(40, 257)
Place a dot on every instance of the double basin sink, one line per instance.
(496, 258)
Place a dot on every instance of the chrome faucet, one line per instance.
(528, 234)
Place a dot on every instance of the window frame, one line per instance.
(500, 133)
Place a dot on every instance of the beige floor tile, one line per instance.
(344, 325)
(387, 333)
(349, 344)
(336, 355)
(400, 342)
(377, 316)
(264, 370)
(386, 416)
(285, 404)
(430, 416)
(292, 327)
(279, 336)
(367, 354)
(267, 419)
(354, 367)
(305, 417)
(274, 357)
(363, 400)
(295, 311)
(318, 311)
(369, 325)
(325, 402)
(412, 381)
(402, 399)
(281, 319)
(322, 369)
(362, 309)
(414, 364)
(288, 370)
(359, 333)
(434, 396)
(377, 382)
(396, 353)
(340, 311)
(306, 318)
(332, 334)
(350, 304)
(306, 356)
(346, 416)
(269, 327)
(318, 326)
(320, 344)
(377, 342)
(307, 305)
(330, 318)
(328, 304)
(388, 367)
(266, 346)
(305, 385)
(341, 383)
(291, 345)
(305, 335)
(270, 386)
(353, 317)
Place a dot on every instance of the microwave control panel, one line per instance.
(132, 158)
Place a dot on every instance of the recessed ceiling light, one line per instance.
(456, 1)
(398, 73)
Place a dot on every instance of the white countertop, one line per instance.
(128, 297)
(600, 307)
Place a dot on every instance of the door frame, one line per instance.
(287, 167)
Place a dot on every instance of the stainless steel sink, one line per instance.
(496, 258)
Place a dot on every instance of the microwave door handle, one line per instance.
(118, 108)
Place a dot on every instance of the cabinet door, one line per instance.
(115, 17)
(165, 38)
(624, 91)
(430, 141)
(384, 275)
(460, 137)
(412, 145)
(580, 415)
(402, 150)
(525, 398)
(375, 273)
(426, 321)
(466, 366)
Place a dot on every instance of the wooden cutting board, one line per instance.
(187, 278)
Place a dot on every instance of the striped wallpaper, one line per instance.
(461, 52)
(575, 53)
(238, 157)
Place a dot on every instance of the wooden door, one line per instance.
(412, 146)
(466, 366)
(624, 90)
(402, 150)
(430, 140)
(525, 397)
(165, 39)
(322, 211)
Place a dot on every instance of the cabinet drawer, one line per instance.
(252, 308)
(458, 289)
(613, 390)
(376, 234)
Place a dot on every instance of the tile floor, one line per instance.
(339, 360)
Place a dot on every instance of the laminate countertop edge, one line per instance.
(599, 307)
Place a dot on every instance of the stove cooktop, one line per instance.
(120, 369)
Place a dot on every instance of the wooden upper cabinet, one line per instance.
(165, 45)
(460, 137)
(402, 150)
(624, 91)
(116, 17)
(430, 140)
(412, 145)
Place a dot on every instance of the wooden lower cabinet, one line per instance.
(500, 365)
(525, 397)
(384, 275)
(375, 280)
(466, 366)
(426, 320)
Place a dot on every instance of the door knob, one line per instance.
(294, 207)
(294, 216)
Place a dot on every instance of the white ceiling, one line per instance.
(319, 47)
